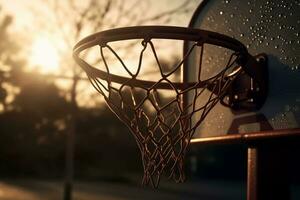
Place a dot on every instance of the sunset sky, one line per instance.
(44, 45)
(43, 50)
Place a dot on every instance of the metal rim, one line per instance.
(147, 33)
(159, 32)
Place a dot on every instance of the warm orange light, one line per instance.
(44, 55)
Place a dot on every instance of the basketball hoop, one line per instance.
(163, 126)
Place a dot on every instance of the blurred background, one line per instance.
(56, 130)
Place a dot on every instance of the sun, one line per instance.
(44, 56)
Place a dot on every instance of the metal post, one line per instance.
(71, 142)
(267, 173)
(270, 154)
(252, 174)
(69, 165)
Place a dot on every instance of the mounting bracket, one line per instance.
(249, 90)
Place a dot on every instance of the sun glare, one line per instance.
(44, 56)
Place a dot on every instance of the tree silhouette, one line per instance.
(9, 61)
(33, 130)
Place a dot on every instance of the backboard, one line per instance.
(263, 26)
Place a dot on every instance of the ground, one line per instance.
(52, 190)
(191, 190)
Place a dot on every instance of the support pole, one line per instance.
(70, 143)
(69, 165)
(267, 173)
(252, 174)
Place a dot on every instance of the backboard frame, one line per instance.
(267, 149)
(265, 118)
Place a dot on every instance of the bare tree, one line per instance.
(71, 20)
(10, 61)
